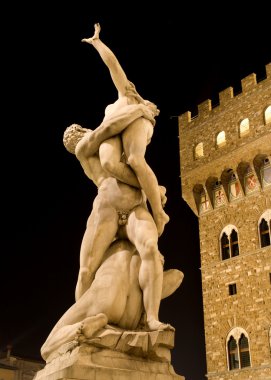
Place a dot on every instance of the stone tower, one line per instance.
(225, 154)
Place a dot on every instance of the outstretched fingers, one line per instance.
(97, 29)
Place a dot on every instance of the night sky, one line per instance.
(177, 56)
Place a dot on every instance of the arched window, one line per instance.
(221, 139)
(234, 246)
(199, 150)
(265, 228)
(238, 349)
(244, 127)
(267, 115)
(233, 354)
(229, 245)
(225, 247)
(244, 351)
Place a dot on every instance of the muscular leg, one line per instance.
(142, 232)
(135, 139)
(134, 305)
(110, 153)
(101, 230)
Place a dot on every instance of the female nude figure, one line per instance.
(136, 136)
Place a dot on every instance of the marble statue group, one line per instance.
(121, 279)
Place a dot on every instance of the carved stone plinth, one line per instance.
(114, 355)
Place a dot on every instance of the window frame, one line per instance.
(228, 230)
(266, 215)
(236, 334)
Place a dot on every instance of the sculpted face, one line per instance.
(72, 135)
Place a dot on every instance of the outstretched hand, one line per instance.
(97, 29)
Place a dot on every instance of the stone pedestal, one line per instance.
(114, 356)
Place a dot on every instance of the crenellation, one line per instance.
(204, 108)
(248, 83)
(184, 119)
(225, 96)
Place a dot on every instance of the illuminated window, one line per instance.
(265, 228)
(238, 349)
(267, 115)
(221, 139)
(199, 150)
(244, 127)
(229, 245)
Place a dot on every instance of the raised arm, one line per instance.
(117, 73)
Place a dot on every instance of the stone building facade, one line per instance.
(16, 368)
(225, 157)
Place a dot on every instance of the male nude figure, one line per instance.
(115, 197)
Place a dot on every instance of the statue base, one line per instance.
(133, 356)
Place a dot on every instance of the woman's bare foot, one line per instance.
(92, 324)
(97, 29)
(163, 191)
(161, 219)
(155, 325)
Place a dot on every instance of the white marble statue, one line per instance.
(121, 279)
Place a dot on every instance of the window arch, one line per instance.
(264, 226)
(221, 139)
(229, 245)
(238, 353)
(267, 115)
(199, 150)
(244, 127)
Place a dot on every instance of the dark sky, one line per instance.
(177, 56)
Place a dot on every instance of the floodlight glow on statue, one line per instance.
(121, 237)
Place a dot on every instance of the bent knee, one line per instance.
(136, 161)
(150, 250)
